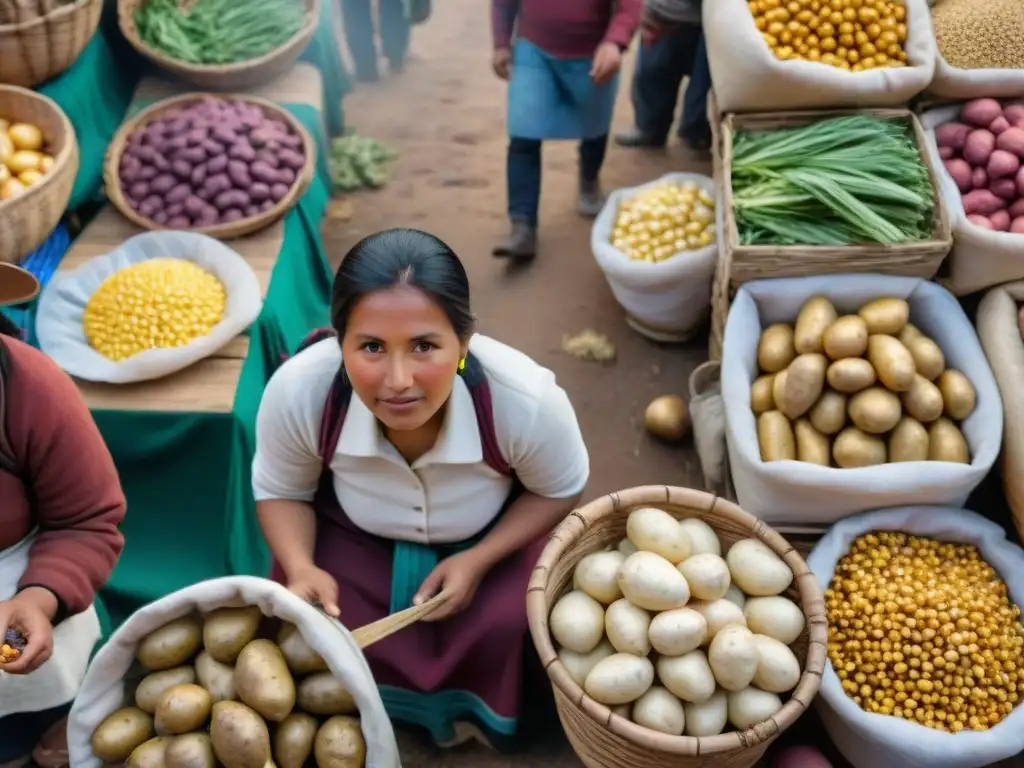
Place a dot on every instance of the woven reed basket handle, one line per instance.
(378, 630)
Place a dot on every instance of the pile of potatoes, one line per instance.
(858, 390)
(671, 634)
(220, 693)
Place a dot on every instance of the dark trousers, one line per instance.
(523, 169)
(392, 26)
(659, 72)
(19, 733)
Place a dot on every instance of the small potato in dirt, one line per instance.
(174, 644)
(888, 316)
(340, 744)
(301, 659)
(121, 733)
(193, 750)
(182, 709)
(239, 736)
(226, 631)
(263, 681)
(217, 678)
(153, 685)
(152, 754)
(323, 694)
(293, 741)
(775, 350)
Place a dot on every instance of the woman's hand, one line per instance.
(607, 61)
(316, 585)
(456, 577)
(30, 612)
(501, 62)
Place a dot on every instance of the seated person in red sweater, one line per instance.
(60, 506)
(563, 79)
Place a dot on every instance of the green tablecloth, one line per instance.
(323, 53)
(187, 475)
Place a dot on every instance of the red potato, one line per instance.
(982, 201)
(952, 135)
(801, 756)
(1012, 141)
(980, 221)
(1000, 221)
(979, 178)
(946, 152)
(960, 171)
(1015, 114)
(1017, 209)
(1004, 188)
(1017, 226)
(979, 146)
(999, 125)
(1019, 178)
(981, 112)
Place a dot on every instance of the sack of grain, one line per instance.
(798, 492)
(980, 52)
(749, 77)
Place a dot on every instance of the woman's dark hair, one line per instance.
(397, 257)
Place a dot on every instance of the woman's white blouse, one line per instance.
(448, 494)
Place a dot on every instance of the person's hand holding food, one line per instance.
(27, 618)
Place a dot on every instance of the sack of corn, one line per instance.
(980, 51)
(157, 304)
(766, 55)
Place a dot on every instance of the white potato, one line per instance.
(757, 570)
(718, 614)
(751, 706)
(619, 679)
(678, 631)
(707, 575)
(778, 670)
(626, 627)
(655, 530)
(651, 582)
(777, 617)
(703, 538)
(688, 677)
(578, 665)
(708, 718)
(733, 657)
(735, 595)
(660, 711)
(627, 547)
(597, 574)
(577, 622)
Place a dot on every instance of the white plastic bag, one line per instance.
(673, 296)
(104, 689)
(980, 257)
(869, 740)
(749, 78)
(953, 83)
(59, 320)
(800, 492)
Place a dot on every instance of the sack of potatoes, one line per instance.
(845, 393)
(234, 672)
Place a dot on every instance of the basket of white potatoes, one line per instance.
(675, 626)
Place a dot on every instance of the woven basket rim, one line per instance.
(55, 16)
(126, 21)
(248, 225)
(570, 530)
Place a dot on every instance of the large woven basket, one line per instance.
(38, 49)
(739, 264)
(26, 221)
(223, 77)
(604, 740)
(246, 226)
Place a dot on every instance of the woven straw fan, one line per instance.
(389, 625)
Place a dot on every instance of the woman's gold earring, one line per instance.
(462, 364)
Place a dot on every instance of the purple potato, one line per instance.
(198, 176)
(242, 150)
(160, 217)
(287, 176)
(194, 155)
(151, 205)
(291, 159)
(175, 209)
(145, 154)
(161, 163)
(139, 190)
(213, 148)
(217, 183)
(224, 135)
(197, 136)
(232, 214)
(181, 169)
(252, 210)
(238, 172)
(217, 164)
(178, 194)
(147, 173)
(176, 144)
(258, 191)
(260, 171)
(232, 198)
(278, 192)
(178, 222)
(194, 206)
(163, 183)
(266, 205)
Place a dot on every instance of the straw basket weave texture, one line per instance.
(740, 264)
(39, 48)
(28, 219)
(240, 76)
(246, 226)
(604, 740)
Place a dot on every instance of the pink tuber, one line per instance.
(1000, 221)
(981, 112)
(980, 221)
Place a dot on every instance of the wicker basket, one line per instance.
(246, 226)
(739, 264)
(604, 740)
(39, 49)
(223, 77)
(26, 221)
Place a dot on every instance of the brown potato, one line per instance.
(172, 645)
(293, 741)
(815, 316)
(846, 337)
(947, 443)
(761, 400)
(923, 400)
(217, 678)
(226, 631)
(775, 349)
(908, 441)
(153, 685)
(301, 659)
(340, 744)
(239, 736)
(775, 437)
(263, 681)
(805, 378)
(828, 415)
(850, 375)
(928, 358)
(182, 709)
(892, 362)
(120, 733)
(149, 755)
(876, 410)
(323, 694)
(958, 395)
(778, 386)
(811, 445)
(193, 750)
(886, 316)
(853, 448)
(909, 332)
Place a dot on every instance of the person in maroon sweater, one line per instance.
(562, 67)
(60, 507)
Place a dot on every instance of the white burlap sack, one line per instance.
(953, 83)
(980, 257)
(63, 301)
(869, 740)
(672, 295)
(104, 689)
(802, 493)
(748, 77)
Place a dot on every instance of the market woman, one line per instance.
(60, 507)
(432, 460)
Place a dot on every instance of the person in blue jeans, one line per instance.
(393, 28)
